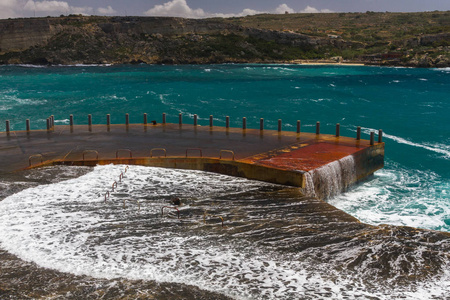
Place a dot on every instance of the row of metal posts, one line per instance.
(51, 125)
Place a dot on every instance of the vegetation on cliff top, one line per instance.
(376, 32)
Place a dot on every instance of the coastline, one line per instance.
(304, 63)
(71, 40)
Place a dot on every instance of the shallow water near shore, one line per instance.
(410, 105)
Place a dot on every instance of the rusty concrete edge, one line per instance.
(215, 165)
(368, 160)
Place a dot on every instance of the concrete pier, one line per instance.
(276, 156)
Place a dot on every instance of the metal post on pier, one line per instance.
(127, 119)
(48, 124)
(164, 118)
(358, 133)
(279, 125)
(261, 124)
(71, 123)
(145, 118)
(108, 122)
(180, 119)
(338, 130)
(380, 136)
(28, 125)
(90, 122)
(317, 127)
(210, 121)
(372, 138)
(298, 126)
(227, 122)
(7, 127)
(244, 123)
(195, 120)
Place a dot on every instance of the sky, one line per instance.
(207, 8)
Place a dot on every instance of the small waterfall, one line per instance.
(332, 179)
(309, 185)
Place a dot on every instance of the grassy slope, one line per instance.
(362, 27)
(378, 32)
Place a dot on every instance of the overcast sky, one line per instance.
(207, 8)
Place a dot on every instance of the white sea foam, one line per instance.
(31, 66)
(399, 196)
(50, 66)
(67, 226)
(320, 99)
(447, 69)
(86, 65)
(63, 121)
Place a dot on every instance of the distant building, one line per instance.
(392, 55)
(372, 57)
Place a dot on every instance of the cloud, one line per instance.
(58, 7)
(283, 8)
(313, 10)
(180, 8)
(106, 11)
(176, 8)
(8, 9)
(47, 6)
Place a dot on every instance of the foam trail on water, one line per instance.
(437, 149)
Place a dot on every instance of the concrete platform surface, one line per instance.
(266, 154)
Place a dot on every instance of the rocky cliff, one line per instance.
(117, 40)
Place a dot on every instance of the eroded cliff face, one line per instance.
(78, 39)
(118, 40)
(18, 35)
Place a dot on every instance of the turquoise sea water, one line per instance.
(412, 106)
